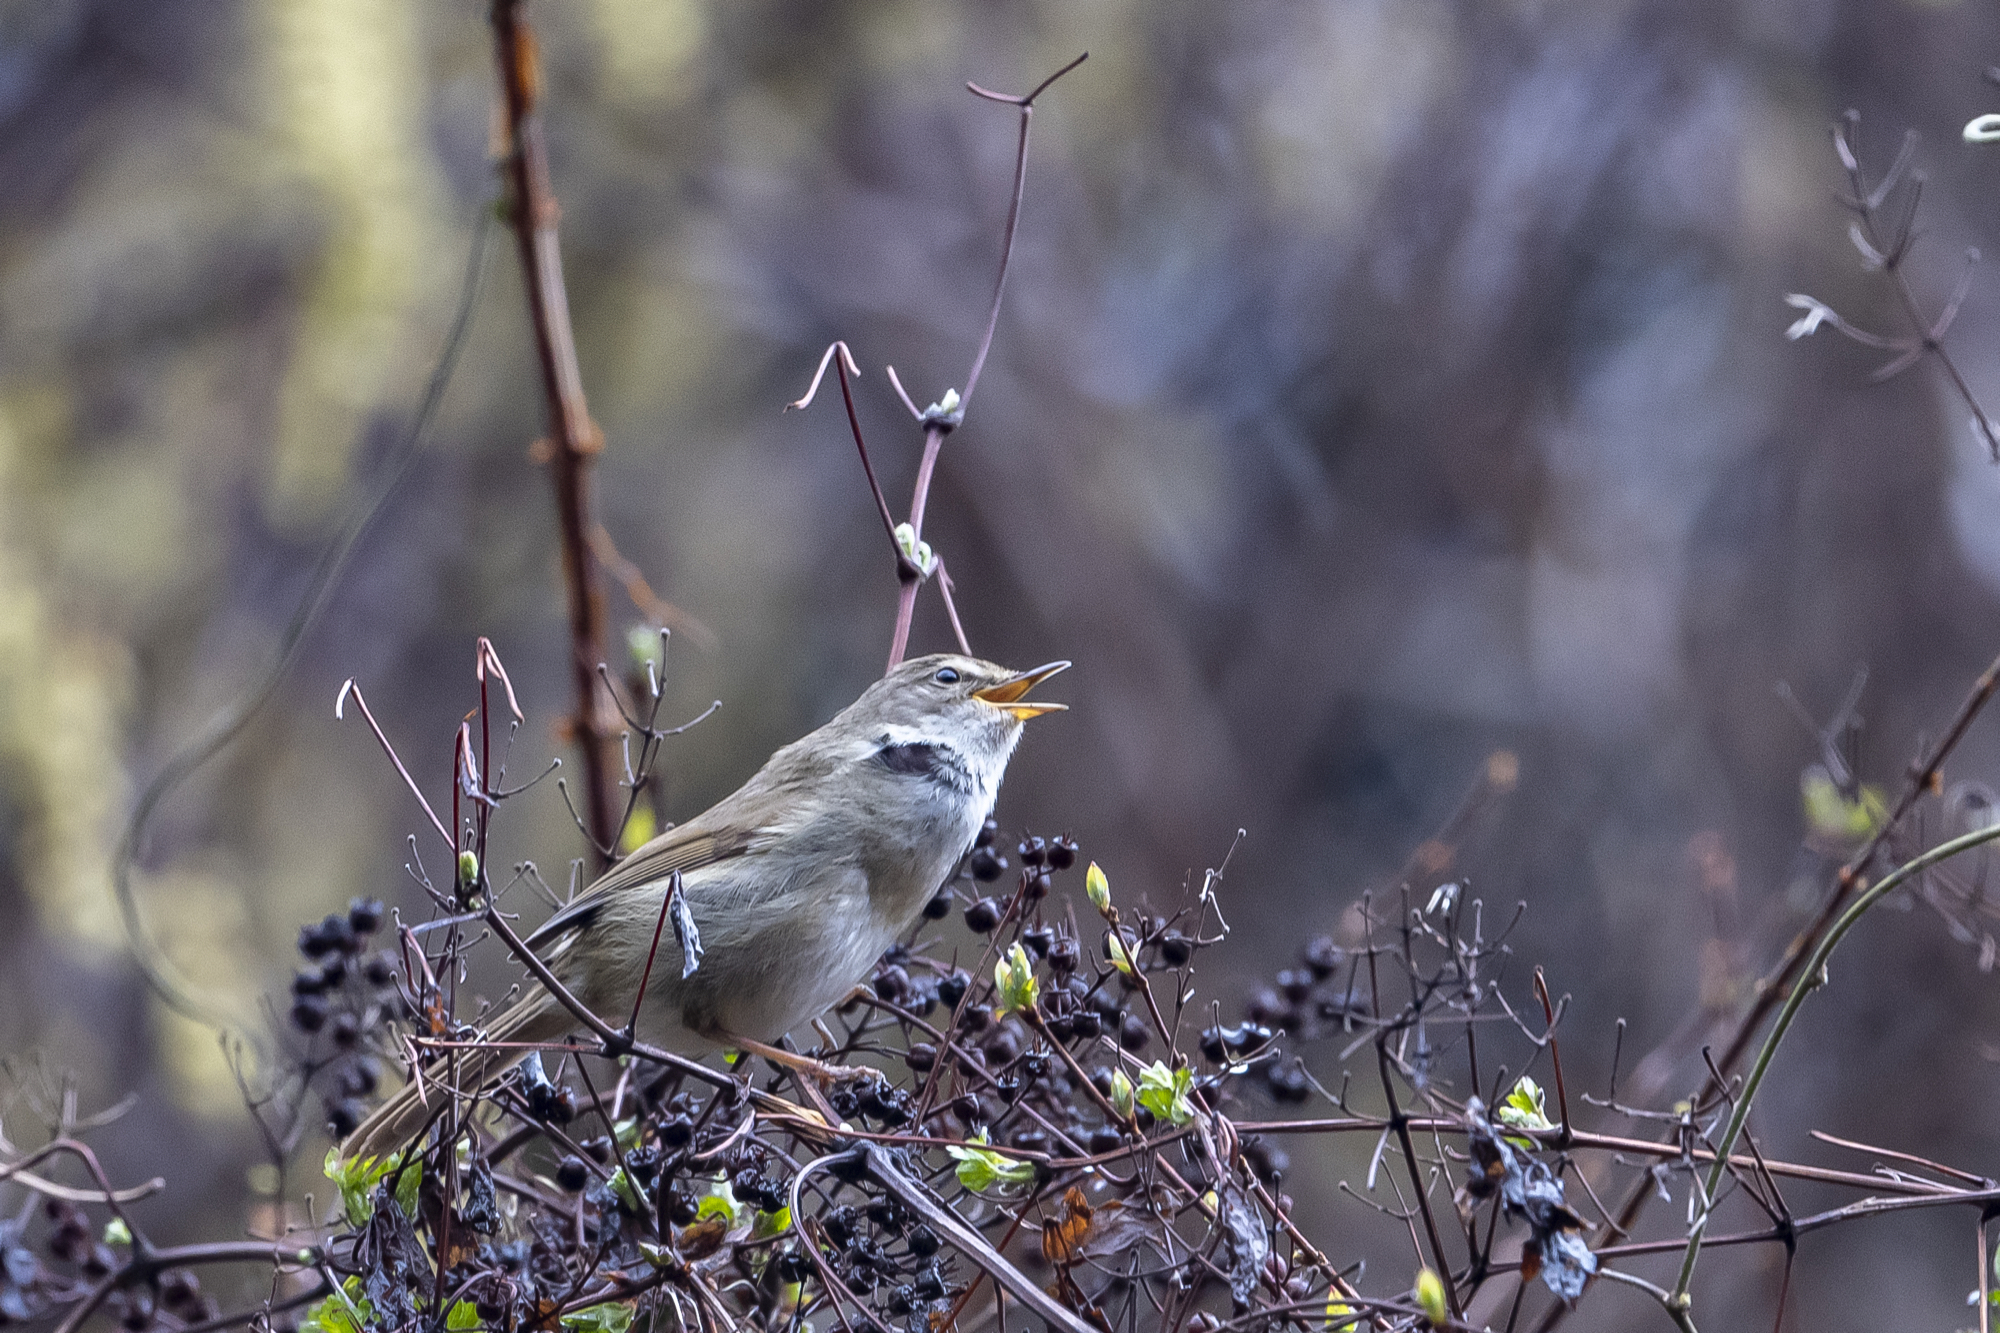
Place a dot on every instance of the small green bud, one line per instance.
(1430, 1296)
(1097, 888)
(1015, 977)
(468, 867)
(1121, 1093)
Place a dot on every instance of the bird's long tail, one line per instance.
(391, 1126)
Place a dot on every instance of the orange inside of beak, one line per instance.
(1007, 693)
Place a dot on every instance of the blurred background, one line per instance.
(1380, 386)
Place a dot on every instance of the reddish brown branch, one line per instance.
(573, 437)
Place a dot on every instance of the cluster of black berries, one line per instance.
(342, 993)
(27, 1283)
(881, 1246)
(1321, 993)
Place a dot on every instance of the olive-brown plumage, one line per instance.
(796, 882)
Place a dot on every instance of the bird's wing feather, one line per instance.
(688, 847)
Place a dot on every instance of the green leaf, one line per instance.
(1165, 1091)
(1525, 1107)
(117, 1233)
(720, 1201)
(1120, 959)
(462, 1317)
(1015, 977)
(610, 1317)
(358, 1177)
(346, 1311)
(981, 1169)
(407, 1183)
(1832, 814)
(771, 1224)
(628, 1193)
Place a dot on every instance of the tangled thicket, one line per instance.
(1047, 1118)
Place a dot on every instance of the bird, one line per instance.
(795, 883)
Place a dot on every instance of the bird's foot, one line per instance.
(819, 1071)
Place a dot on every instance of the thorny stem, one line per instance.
(574, 438)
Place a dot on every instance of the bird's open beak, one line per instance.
(1007, 693)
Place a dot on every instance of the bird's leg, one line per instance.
(819, 1070)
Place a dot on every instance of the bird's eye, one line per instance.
(946, 676)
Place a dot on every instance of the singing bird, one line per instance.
(796, 882)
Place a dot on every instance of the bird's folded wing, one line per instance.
(686, 848)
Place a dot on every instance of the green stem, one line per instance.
(1810, 978)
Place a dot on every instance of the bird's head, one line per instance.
(960, 701)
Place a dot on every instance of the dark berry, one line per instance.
(1133, 1034)
(676, 1132)
(1267, 1008)
(345, 1116)
(309, 981)
(986, 864)
(309, 1013)
(976, 1017)
(982, 915)
(1031, 1140)
(1034, 851)
(180, 1291)
(1323, 957)
(311, 943)
(1175, 949)
(365, 915)
(1002, 1047)
(923, 1241)
(571, 1173)
(1038, 939)
(1064, 953)
(337, 933)
(1105, 1138)
(346, 1030)
(598, 1149)
(951, 988)
(921, 1056)
(939, 907)
(643, 1163)
(987, 833)
(1288, 1082)
(379, 970)
(1269, 1161)
(793, 1267)
(1088, 1024)
(892, 984)
(1037, 888)
(929, 1285)
(1062, 852)
(680, 1207)
(333, 969)
(840, 1224)
(1295, 984)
